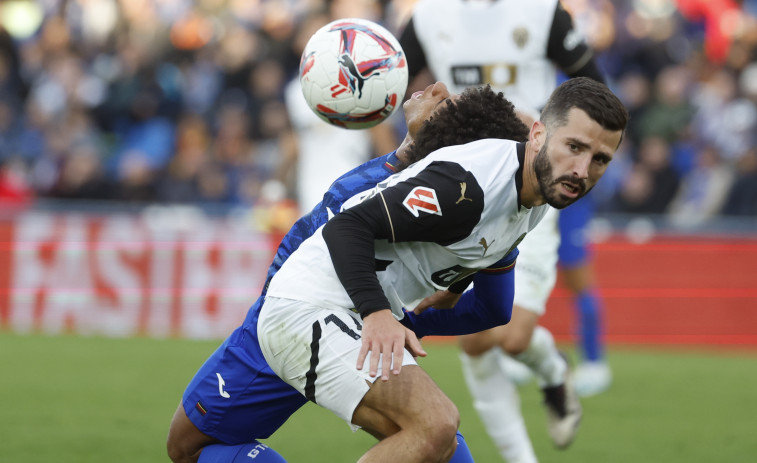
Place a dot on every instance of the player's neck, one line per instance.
(402, 153)
(530, 192)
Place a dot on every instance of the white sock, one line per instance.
(496, 399)
(544, 359)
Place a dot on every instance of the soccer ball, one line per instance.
(353, 73)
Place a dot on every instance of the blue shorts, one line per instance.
(235, 397)
(573, 224)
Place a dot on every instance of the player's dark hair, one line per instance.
(479, 113)
(588, 95)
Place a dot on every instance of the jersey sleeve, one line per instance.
(488, 304)
(442, 204)
(568, 50)
(432, 206)
(416, 57)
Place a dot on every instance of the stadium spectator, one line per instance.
(703, 191)
(195, 57)
(742, 197)
(652, 182)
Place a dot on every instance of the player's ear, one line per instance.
(538, 135)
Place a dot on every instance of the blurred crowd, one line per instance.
(182, 101)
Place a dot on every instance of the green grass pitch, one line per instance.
(87, 399)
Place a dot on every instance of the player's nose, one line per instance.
(581, 167)
(439, 89)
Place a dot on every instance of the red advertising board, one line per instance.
(674, 290)
(129, 275)
(124, 275)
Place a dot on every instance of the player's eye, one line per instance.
(601, 160)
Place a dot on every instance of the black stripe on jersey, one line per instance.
(350, 235)
(460, 201)
(576, 60)
(416, 57)
(342, 326)
(460, 286)
(381, 265)
(521, 150)
(311, 375)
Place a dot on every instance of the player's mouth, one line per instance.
(417, 94)
(570, 189)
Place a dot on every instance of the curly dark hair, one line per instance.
(479, 113)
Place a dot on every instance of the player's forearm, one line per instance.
(487, 305)
(350, 241)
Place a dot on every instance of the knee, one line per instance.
(515, 345)
(476, 344)
(179, 454)
(440, 437)
(183, 446)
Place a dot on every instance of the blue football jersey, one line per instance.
(358, 179)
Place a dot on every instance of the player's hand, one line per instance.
(439, 300)
(383, 334)
(413, 344)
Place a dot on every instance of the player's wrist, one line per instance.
(370, 311)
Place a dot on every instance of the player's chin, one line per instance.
(559, 201)
(562, 199)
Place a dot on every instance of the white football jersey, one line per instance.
(453, 213)
(503, 43)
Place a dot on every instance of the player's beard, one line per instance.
(548, 185)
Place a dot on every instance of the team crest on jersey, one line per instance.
(520, 36)
(422, 199)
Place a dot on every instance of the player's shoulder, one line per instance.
(491, 152)
(490, 162)
(361, 178)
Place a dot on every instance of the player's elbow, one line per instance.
(499, 314)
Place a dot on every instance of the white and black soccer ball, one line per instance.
(353, 73)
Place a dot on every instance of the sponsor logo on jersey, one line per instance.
(467, 75)
(486, 245)
(497, 75)
(422, 199)
(572, 40)
(221, 384)
(463, 187)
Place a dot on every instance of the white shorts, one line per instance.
(315, 351)
(536, 268)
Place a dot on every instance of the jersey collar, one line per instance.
(392, 162)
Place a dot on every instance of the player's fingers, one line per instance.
(375, 357)
(422, 306)
(386, 361)
(398, 355)
(414, 345)
(362, 354)
(408, 345)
